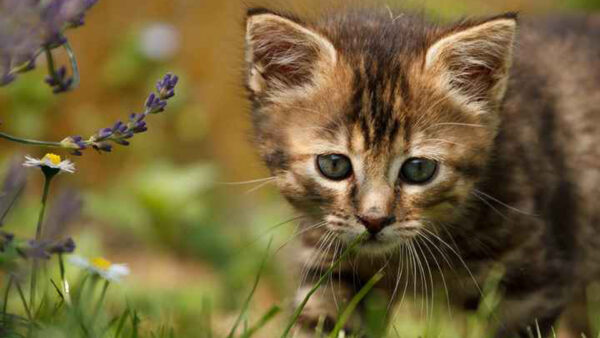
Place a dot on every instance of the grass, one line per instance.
(193, 245)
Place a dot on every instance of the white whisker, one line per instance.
(258, 180)
(504, 204)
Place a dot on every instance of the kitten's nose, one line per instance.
(376, 223)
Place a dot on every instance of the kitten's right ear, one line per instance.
(282, 53)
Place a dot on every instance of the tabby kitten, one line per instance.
(425, 137)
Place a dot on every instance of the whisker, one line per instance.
(431, 288)
(253, 189)
(266, 232)
(504, 204)
(316, 251)
(298, 233)
(443, 141)
(414, 269)
(258, 180)
(474, 193)
(458, 256)
(456, 124)
(399, 273)
(424, 236)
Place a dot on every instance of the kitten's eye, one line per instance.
(418, 170)
(334, 166)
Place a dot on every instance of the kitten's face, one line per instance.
(366, 142)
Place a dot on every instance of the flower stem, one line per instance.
(30, 142)
(5, 304)
(38, 236)
(74, 67)
(65, 285)
(38, 230)
(50, 63)
(20, 290)
(101, 299)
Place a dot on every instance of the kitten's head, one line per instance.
(376, 123)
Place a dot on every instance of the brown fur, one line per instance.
(518, 155)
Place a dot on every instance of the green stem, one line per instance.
(354, 303)
(247, 302)
(101, 300)
(50, 64)
(321, 280)
(38, 230)
(64, 283)
(20, 290)
(38, 237)
(5, 304)
(30, 142)
(74, 67)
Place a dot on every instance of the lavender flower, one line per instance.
(59, 80)
(43, 249)
(27, 27)
(121, 132)
(166, 86)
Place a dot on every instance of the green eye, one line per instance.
(418, 170)
(334, 166)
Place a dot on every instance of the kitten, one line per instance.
(451, 144)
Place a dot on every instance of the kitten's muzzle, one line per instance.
(376, 223)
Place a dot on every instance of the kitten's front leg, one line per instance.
(325, 305)
(536, 311)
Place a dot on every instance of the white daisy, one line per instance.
(50, 160)
(102, 267)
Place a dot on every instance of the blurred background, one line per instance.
(163, 205)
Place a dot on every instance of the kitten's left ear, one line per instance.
(283, 53)
(474, 61)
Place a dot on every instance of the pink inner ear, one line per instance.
(282, 60)
(476, 79)
(476, 60)
(285, 53)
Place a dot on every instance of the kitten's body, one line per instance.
(521, 174)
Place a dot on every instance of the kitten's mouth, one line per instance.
(379, 242)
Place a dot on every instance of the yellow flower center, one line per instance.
(101, 263)
(53, 158)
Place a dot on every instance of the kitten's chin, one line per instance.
(375, 245)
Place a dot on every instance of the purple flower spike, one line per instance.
(166, 87)
(29, 26)
(120, 132)
(59, 80)
(6, 79)
(104, 133)
(103, 146)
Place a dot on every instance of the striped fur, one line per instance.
(518, 169)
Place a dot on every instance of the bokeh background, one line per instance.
(163, 205)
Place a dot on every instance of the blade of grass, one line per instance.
(249, 298)
(22, 295)
(135, 323)
(64, 282)
(60, 294)
(270, 314)
(354, 303)
(6, 292)
(321, 280)
(122, 322)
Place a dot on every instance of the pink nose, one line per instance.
(375, 224)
